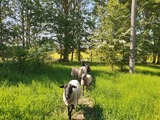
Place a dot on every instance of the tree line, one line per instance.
(31, 28)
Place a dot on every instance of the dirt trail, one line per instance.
(85, 106)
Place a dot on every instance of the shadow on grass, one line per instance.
(56, 72)
(26, 72)
(104, 74)
(148, 70)
(29, 71)
(92, 112)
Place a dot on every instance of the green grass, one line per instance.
(29, 102)
(31, 92)
(129, 97)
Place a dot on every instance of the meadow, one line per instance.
(31, 92)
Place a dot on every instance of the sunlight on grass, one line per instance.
(34, 93)
(127, 96)
(29, 101)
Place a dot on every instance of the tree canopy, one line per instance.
(31, 28)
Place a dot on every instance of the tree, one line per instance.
(68, 25)
(112, 32)
(24, 28)
(4, 11)
(132, 39)
(147, 31)
(24, 18)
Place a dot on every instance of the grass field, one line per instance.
(129, 97)
(31, 92)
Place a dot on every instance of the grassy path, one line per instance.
(85, 109)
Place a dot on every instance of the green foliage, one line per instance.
(20, 53)
(147, 37)
(112, 32)
(69, 23)
(39, 53)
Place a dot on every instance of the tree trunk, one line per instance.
(154, 58)
(91, 56)
(158, 60)
(65, 57)
(1, 35)
(23, 26)
(144, 59)
(132, 38)
(78, 53)
(158, 50)
(28, 27)
(0, 24)
(72, 54)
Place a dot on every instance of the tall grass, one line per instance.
(29, 102)
(31, 92)
(128, 97)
